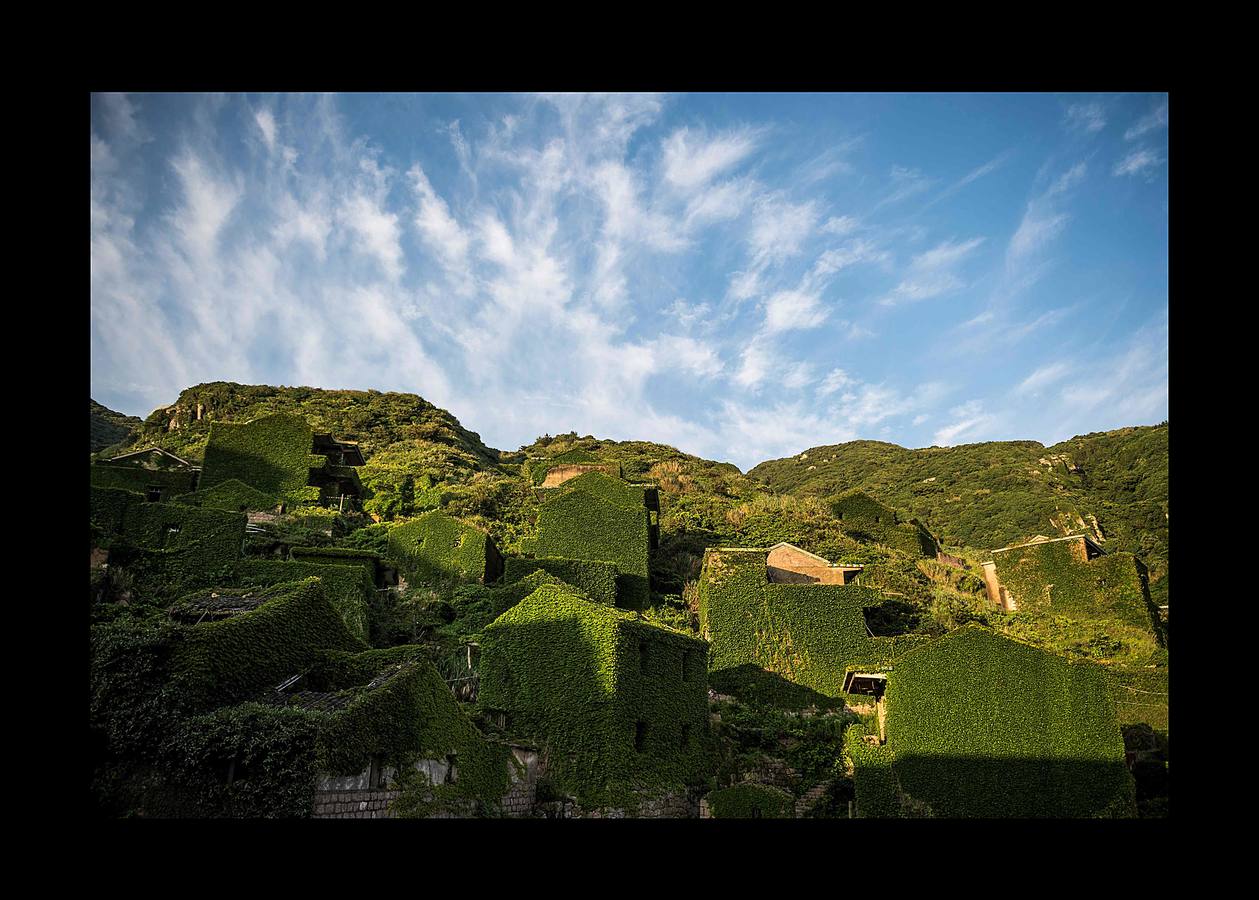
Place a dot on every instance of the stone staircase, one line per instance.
(811, 798)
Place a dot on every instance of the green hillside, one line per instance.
(407, 589)
(985, 496)
(110, 429)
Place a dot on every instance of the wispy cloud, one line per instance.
(932, 273)
(969, 421)
(692, 158)
(1043, 377)
(1153, 121)
(1043, 219)
(615, 264)
(1086, 117)
(1138, 162)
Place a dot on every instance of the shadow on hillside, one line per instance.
(751, 684)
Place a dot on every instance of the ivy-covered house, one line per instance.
(864, 517)
(1074, 578)
(979, 725)
(281, 457)
(622, 704)
(168, 547)
(261, 703)
(157, 474)
(435, 546)
(598, 518)
(809, 633)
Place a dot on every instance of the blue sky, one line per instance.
(740, 276)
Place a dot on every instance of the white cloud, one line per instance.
(692, 159)
(1043, 220)
(834, 381)
(1043, 377)
(840, 225)
(265, 120)
(377, 232)
(790, 310)
(970, 420)
(932, 273)
(781, 229)
(440, 231)
(1151, 122)
(1137, 162)
(1087, 117)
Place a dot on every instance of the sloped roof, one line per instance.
(822, 560)
(178, 459)
(1041, 539)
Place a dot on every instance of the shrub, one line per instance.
(752, 801)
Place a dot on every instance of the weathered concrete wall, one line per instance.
(788, 565)
(996, 593)
(560, 474)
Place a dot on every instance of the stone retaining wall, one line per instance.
(368, 804)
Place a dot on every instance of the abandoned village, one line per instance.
(268, 640)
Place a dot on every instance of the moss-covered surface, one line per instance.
(169, 482)
(622, 705)
(596, 579)
(1051, 579)
(435, 547)
(808, 634)
(271, 454)
(864, 517)
(751, 801)
(982, 726)
(225, 661)
(349, 588)
(232, 494)
(579, 525)
(168, 548)
(261, 759)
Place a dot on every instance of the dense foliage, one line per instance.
(982, 726)
(994, 494)
(178, 728)
(808, 634)
(751, 801)
(110, 429)
(622, 704)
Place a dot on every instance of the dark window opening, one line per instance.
(153, 494)
(644, 653)
(452, 768)
(640, 736)
(376, 773)
(686, 736)
(688, 665)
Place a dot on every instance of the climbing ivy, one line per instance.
(622, 705)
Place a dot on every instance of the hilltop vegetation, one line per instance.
(431, 491)
(111, 429)
(985, 496)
